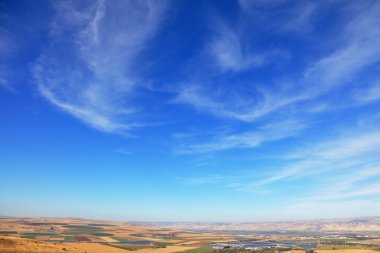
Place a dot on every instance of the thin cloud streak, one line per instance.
(249, 139)
(123, 151)
(362, 38)
(230, 53)
(95, 86)
(7, 50)
(338, 154)
(297, 19)
(370, 95)
(237, 108)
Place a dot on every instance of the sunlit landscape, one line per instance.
(81, 235)
(195, 126)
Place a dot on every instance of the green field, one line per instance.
(32, 235)
(86, 230)
(120, 239)
(85, 227)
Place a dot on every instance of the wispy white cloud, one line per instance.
(353, 192)
(243, 105)
(232, 53)
(88, 69)
(251, 5)
(124, 151)
(369, 95)
(249, 139)
(342, 168)
(357, 50)
(7, 50)
(340, 154)
(336, 193)
(210, 179)
(282, 15)
(301, 17)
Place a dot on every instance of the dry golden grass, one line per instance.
(168, 249)
(10, 244)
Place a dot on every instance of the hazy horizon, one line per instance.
(194, 222)
(145, 110)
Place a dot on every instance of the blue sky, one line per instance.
(190, 110)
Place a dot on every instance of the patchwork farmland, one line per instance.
(88, 235)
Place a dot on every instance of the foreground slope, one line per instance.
(11, 244)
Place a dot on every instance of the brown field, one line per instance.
(95, 248)
(81, 238)
(168, 249)
(42, 238)
(56, 238)
(107, 239)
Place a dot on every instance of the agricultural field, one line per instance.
(80, 235)
(90, 236)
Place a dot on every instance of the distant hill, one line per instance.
(370, 224)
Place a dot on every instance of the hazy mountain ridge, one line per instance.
(328, 225)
